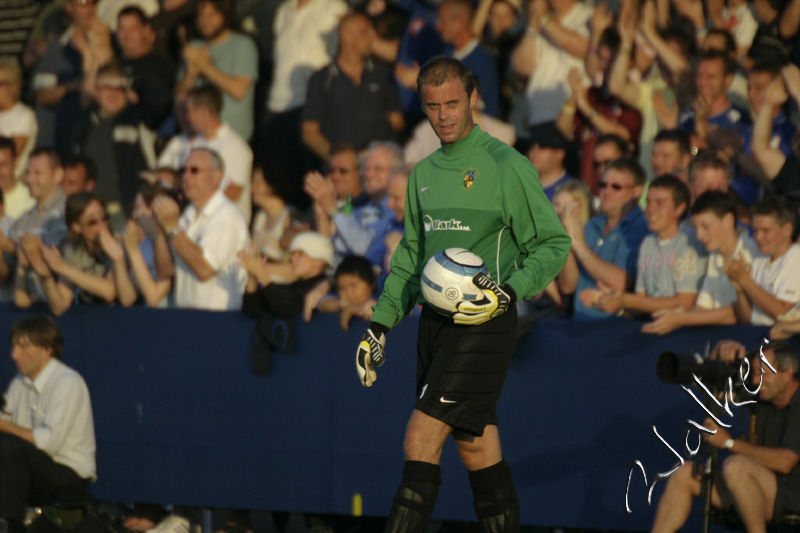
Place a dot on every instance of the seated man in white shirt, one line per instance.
(205, 238)
(714, 219)
(47, 445)
(771, 286)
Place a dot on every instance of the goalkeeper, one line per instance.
(480, 194)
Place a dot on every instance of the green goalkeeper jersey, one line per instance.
(480, 194)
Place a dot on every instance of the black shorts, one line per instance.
(461, 369)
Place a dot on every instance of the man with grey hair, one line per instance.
(355, 232)
(205, 238)
(761, 481)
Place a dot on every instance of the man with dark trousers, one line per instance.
(47, 446)
(475, 193)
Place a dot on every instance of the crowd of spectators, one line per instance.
(227, 155)
(204, 153)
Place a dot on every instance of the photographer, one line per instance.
(762, 481)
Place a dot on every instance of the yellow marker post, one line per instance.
(357, 503)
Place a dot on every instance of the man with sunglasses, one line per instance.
(205, 238)
(604, 252)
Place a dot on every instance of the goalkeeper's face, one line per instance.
(449, 109)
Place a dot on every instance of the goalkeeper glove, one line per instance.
(370, 353)
(495, 302)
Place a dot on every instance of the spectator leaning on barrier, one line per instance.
(770, 286)
(46, 427)
(80, 262)
(671, 264)
(42, 224)
(714, 219)
(205, 238)
(606, 249)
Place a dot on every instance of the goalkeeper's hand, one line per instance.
(495, 302)
(370, 353)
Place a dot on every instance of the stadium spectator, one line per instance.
(46, 427)
(591, 113)
(671, 154)
(204, 115)
(671, 264)
(770, 287)
(455, 28)
(396, 203)
(117, 138)
(80, 175)
(737, 20)
(389, 22)
(769, 42)
(305, 41)
(150, 280)
(340, 191)
(746, 180)
(17, 198)
(311, 255)
(17, 120)
(606, 249)
(722, 41)
(152, 73)
(420, 43)
(572, 199)
(205, 238)
(714, 218)
(711, 108)
(707, 172)
(608, 148)
(45, 220)
(547, 152)
(498, 24)
(556, 40)
(80, 262)
(273, 215)
(354, 232)
(648, 82)
(109, 10)
(67, 70)
(355, 285)
(226, 59)
(354, 99)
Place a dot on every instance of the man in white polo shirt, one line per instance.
(205, 238)
(47, 445)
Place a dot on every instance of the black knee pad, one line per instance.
(496, 502)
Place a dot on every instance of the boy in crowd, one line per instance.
(671, 264)
(770, 286)
(714, 218)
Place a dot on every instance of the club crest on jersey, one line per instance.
(470, 175)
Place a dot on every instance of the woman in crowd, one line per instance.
(81, 264)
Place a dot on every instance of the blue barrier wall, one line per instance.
(181, 418)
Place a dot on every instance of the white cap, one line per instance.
(314, 245)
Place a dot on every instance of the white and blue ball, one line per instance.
(447, 279)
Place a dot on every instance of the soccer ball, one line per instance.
(447, 279)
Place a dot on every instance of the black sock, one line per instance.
(496, 500)
(415, 498)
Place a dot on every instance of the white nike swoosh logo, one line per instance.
(446, 401)
(424, 189)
